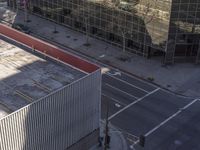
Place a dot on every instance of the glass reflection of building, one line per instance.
(184, 30)
(144, 27)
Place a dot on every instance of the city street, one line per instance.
(139, 108)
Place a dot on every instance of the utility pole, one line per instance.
(142, 140)
(107, 137)
(87, 32)
(86, 18)
(55, 29)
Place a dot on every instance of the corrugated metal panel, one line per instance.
(57, 120)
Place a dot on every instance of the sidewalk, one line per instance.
(117, 140)
(182, 78)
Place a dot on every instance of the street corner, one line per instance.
(115, 139)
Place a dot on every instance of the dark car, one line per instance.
(21, 28)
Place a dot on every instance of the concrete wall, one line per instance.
(56, 121)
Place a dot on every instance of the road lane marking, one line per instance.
(117, 105)
(121, 91)
(171, 117)
(131, 104)
(117, 73)
(128, 83)
(113, 99)
(134, 77)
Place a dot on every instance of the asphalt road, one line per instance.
(136, 107)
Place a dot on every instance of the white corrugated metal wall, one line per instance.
(56, 121)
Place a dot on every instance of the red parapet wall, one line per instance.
(48, 49)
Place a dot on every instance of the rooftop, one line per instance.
(25, 77)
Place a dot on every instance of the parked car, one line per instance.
(21, 28)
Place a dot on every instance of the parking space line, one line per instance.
(131, 104)
(113, 99)
(121, 91)
(171, 117)
(127, 83)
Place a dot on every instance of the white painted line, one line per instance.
(114, 74)
(171, 117)
(127, 83)
(138, 100)
(101, 56)
(121, 91)
(117, 105)
(136, 142)
(115, 100)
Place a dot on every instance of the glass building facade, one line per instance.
(184, 30)
(144, 27)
